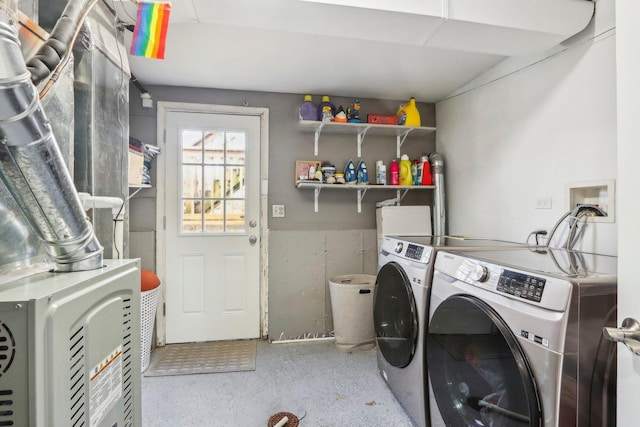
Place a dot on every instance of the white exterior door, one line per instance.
(212, 210)
(628, 194)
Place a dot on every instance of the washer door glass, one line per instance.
(477, 370)
(395, 315)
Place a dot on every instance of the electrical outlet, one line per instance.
(543, 203)
(277, 211)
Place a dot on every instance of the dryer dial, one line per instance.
(480, 273)
(399, 247)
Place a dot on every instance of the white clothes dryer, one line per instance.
(515, 339)
(401, 310)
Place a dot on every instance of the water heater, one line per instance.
(70, 348)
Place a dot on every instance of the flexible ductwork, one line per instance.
(31, 165)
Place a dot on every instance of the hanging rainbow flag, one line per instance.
(150, 33)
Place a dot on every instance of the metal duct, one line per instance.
(101, 99)
(31, 165)
(439, 215)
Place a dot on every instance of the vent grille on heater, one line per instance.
(7, 348)
(77, 374)
(127, 362)
(7, 355)
(6, 408)
(77, 371)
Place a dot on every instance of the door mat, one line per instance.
(204, 358)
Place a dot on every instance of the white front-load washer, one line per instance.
(515, 339)
(401, 309)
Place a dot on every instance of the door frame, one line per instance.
(183, 107)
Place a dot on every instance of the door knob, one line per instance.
(253, 223)
(253, 239)
(628, 334)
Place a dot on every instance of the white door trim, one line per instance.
(263, 113)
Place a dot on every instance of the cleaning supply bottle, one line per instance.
(312, 171)
(361, 173)
(308, 110)
(408, 114)
(326, 111)
(394, 173)
(405, 171)
(381, 173)
(415, 172)
(425, 171)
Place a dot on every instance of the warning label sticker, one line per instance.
(105, 386)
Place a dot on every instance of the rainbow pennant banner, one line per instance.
(150, 33)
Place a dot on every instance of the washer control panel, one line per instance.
(414, 252)
(521, 285)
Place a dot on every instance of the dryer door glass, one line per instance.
(478, 372)
(395, 315)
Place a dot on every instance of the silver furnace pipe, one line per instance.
(31, 165)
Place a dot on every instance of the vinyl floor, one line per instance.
(319, 384)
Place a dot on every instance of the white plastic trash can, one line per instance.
(352, 308)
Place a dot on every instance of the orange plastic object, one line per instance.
(148, 280)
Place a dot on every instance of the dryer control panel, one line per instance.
(521, 285)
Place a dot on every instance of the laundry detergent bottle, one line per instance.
(308, 110)
(408, 114)
(406, 178)
(326, 111)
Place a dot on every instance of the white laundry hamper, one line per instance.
(352, 309)
(148, 305)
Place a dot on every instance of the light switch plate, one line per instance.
(277, 211)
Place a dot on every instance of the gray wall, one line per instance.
(305, 248)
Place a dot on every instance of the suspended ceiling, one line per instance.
(354, 48)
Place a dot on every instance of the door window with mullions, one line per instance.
(213, 181)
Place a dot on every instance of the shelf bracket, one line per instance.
(361, 136)
(316, 139)
(316, 193)
(401, 196)
(400, 141)
(361, 194)
(135, 192)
